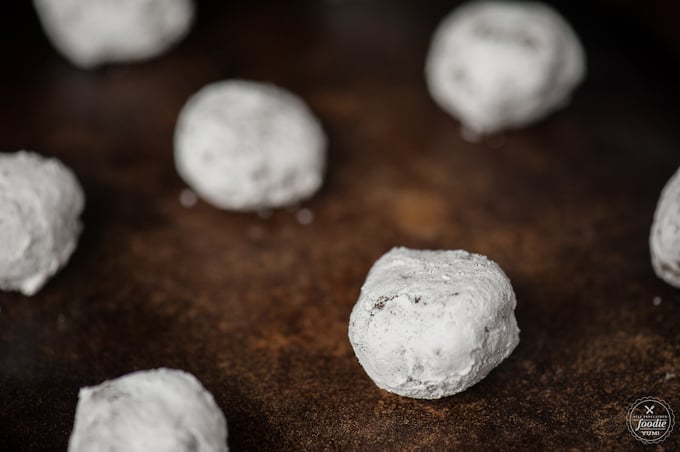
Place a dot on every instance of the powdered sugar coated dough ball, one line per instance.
(429, 324)
(40, 206)
(95, 32)
(244, 145)
(497, 65)
(160, 410)
(664, 238)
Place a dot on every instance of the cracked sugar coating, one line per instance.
(95, 32)
(40, 206)
(500, 65)
(430, 324)
(244, 145)
(664, 238)
(161, 410)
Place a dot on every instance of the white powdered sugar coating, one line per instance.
(95, 32)
(664, 238)
(430, 324)
(244, 145)
(498, 65)
(40, 206)
(162, 410)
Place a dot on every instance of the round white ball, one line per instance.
(160, 410)
(243, 145)
(664, 238)
(498, 65)
(40, 206)
(430, 324)
(95, 32)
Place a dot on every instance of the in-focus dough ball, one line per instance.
(498, 65)
(244, 145)
(40, 206)
(160, 410)
(95, 32)
(429, 324)
(664, 238)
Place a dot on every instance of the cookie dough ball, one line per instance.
(429, 324)
(243, 145)
(40, 206)
(95, 32)
(160, 410)
(664, 238)
(500, 65)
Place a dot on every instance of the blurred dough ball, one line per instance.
(664, 238)
(161, 410)
(500, 65)
(40, 206)
(96, 32)
(243, 145)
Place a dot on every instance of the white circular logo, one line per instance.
(650, 420)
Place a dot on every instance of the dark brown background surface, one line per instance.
(258, 308)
